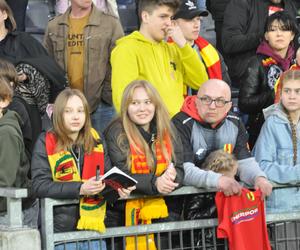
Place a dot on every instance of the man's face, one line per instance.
(190, 28)
(82, 4)
(212, 113)
(156, 23)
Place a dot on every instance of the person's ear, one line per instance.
(293, 35)
(145, 16)
(4, 13)
(266, 36)
(229, 105)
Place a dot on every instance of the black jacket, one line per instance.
(19, 45)
(146, 182)
(65, 217)
(243, 28)
(256, 94)
(217, 8)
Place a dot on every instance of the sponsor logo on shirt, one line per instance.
(243, 215)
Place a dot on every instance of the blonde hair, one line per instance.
(220, 161)
(64, 142)
(10, 23)
(288, 76)
(161, 118)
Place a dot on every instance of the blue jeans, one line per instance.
(82, 245)
(102, 116)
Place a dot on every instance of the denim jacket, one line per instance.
(274, 153)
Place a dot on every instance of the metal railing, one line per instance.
(181, 229)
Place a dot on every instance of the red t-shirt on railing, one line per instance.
(242, 221)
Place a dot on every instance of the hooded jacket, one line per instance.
(166, 66)
(13, 160)
(199, 139)
(274, 153)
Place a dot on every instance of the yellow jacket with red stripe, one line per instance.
(165, 65)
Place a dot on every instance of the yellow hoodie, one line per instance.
(163, 64)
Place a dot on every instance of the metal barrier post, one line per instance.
(14, 212)
(47, 224)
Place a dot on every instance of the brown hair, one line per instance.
(151, 5)
(162, 121)
(64, 142)
(6, 91)
(285, 77)
(10, 23)
(220, 161)
(8, 71)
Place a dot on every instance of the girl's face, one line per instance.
(141, 110)
(278, 38)
(74, 115)
(290, 95)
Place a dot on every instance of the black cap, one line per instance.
(188, 9)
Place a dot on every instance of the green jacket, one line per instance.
(100, 34)
(14, 165)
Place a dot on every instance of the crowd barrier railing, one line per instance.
(176, 231)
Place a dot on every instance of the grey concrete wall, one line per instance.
(20, 239)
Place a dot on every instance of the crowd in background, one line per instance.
(155, 103)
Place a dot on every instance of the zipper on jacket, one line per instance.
(153, 151)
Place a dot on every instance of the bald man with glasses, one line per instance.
(206, 124)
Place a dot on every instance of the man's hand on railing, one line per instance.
(229, 186)
(264, 185)
(91, 186)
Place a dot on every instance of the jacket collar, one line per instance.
(93, 19)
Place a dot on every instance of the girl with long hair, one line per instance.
(277, 149)
(143, 142)
(64, 165)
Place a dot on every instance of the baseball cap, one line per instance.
(188, 9)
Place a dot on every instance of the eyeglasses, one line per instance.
(219, 102)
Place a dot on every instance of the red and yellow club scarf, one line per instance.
(210, 57)
(64, 169)
(142, 211)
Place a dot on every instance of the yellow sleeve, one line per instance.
(194, 70)
(124, 71)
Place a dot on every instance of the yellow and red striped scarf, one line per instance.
(210, 57)
(142, 211)
(64, 169)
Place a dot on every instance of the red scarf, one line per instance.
(210, 57)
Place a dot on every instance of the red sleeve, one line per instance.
(224, 229)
